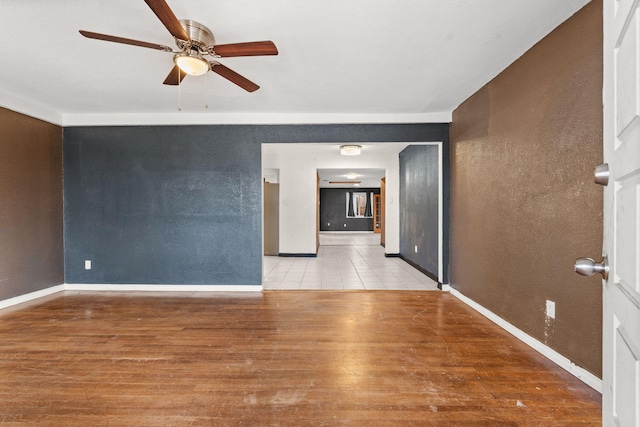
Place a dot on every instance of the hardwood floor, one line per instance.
(362, 358)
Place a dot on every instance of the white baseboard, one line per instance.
(160, 288)
(125, 288)
(585, 376)
(31, 296)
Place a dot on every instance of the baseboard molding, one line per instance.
(160, 288)
(387, 255)
(101, 287)
(31, 296)
(422, 270)
(305, 255)
(560, 360)
(347, 231)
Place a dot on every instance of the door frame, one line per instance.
(621, 298)
(391, 200)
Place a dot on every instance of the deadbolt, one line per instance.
(588, 267)
(602, 174)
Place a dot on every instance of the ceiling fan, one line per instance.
(194, 41)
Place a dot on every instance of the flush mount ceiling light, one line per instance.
(350, 150)
(191, 63)
(351, 175)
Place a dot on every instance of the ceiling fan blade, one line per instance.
(246, 49)
(123, 40)
(168, 18)
(234, 77)
(175, 76)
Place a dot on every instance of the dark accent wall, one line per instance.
(163, 205)
(31, 244)
(370, 133)
(333, 210)
(419, 185)
(523, 202)
(182, 204)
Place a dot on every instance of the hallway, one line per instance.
(345, 261)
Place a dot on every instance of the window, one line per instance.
(359, 205)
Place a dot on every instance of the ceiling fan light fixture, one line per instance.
(193, 65)
(350, 150)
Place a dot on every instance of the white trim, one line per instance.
(101, 287)
(585, 376)
(29, 108)
(440, 215)
(31, 296)
(160, 288)
(120, 119)
(347, 232)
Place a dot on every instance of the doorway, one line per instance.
(377, 214)
(298, 163)
(271, 218)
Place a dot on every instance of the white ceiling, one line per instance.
(339, 61)
(366, 178)
(335, 166)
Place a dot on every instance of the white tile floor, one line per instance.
(344, 261)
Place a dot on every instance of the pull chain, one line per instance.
(179, 97)
(206, 104)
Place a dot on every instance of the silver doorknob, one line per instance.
(588, 267)
(602, 174)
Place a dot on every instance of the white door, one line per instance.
(621, 296)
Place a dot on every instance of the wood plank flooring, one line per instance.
(362, 358)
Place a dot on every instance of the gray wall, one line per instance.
(419, 182)
(333, 210)
(182, 204)
(176, 205)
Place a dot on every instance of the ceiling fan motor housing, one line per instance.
(201, 37)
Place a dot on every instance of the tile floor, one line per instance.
(345, 261)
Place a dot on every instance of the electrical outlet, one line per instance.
(87, 264)
(415, 249)
(551, 309)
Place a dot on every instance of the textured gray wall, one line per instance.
(182, 204)
(176, 205)
(419, 207)
(333, 210)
